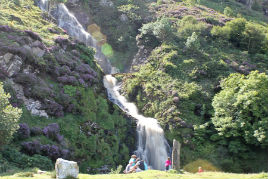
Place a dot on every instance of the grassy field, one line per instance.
(152, 174)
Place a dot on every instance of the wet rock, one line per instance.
(65, 168)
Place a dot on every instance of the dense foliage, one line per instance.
(241, 108)
(9, 117)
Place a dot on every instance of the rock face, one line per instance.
(10, 63)
(65, 168)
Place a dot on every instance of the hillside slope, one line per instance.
(193, 49)
(57, 83)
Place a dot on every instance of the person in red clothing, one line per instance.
(168, 163)
(200, 170)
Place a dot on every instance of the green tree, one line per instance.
(9, 117)
(193, 42)
(228, 12)
(254, 38)
(241, 108)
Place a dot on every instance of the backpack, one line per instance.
(142, 167)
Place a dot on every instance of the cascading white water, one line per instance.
(152, 145)
(68, 22)
(43, 4)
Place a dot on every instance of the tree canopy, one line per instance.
(241, 108)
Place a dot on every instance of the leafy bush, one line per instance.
(243, 34)
(228, 12)
(9, 117)
(240, 108)
(188, 24)
(193, 42)
(206, 166)
(160, 29)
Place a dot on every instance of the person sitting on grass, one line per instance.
(143, 165)
(135, 169)
(131, 163)
(132, 159)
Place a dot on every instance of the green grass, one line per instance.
(26, 16)
(152, 174)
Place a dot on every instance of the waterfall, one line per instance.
(43, 4)
(68, 22)
(152, 146)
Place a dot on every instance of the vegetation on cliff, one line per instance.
(198, 81)
(57, 84)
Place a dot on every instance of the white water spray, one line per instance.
(152, 145)
(68, 22)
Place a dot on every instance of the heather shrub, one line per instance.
(31, 147)
(24, 131)
(51, 130)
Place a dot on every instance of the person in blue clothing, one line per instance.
(131, 163)
(143, 165)
(132, 160)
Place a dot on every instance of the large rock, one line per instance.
(10, 63)
(65, 168)
(15, 65)
(176, 155)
